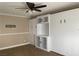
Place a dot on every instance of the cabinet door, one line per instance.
(70, 38)
(43, 43)
(60, 27)
(56, 28)
(65, 32)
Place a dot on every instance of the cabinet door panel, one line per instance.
(65, 33)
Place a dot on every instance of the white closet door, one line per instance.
(65, 34)
(71, 32)
(56, 29)
(60, 29)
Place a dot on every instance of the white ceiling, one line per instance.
(9, 8)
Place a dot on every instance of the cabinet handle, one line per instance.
(64, 21)
(60, 21)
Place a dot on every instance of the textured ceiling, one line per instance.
(9, 8)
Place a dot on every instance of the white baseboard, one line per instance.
(14, 33)
(57, 52)
(15, 46)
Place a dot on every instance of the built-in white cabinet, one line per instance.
(59, 32)
(43, 40)
(65, 32)
(43, 29)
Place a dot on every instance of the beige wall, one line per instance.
(32, 30)
(21, 26)
(11, 40)
(20, 22)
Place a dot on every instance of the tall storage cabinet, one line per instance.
(65, 29)
(59, 33)
(43, 39)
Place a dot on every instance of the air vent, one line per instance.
(10, 26)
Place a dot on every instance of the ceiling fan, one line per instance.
(32, 7)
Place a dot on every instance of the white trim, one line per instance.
(15, 33)
(58, 52)
(6, 14)
(15, 46)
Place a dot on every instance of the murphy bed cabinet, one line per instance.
(59, 32)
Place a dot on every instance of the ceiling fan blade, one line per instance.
(30, 5)
(40, 6)
(37, 10)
